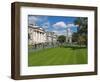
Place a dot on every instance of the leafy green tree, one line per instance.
(75, 37)
(81, 30)
(62, 38)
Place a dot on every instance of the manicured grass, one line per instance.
(58, 56)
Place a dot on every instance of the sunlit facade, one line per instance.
(37, 35)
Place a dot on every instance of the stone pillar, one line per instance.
(36, 37)
(32, 37)
(39, 37)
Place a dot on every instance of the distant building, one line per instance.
(38, 35)
(51, 38)
(69, 36)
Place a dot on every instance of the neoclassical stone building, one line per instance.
(51, 38)
(37, 35)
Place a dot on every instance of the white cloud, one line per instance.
(35, 19)
(60, 28)
(60, 24)
(32, 19)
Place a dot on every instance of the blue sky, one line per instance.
(57, 24)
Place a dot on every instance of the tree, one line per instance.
(81, 30)
(75, 37)
(61, 39)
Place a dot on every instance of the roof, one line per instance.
(36, 27)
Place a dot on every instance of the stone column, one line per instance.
(39, 37)
(36, 37)
(70, 39)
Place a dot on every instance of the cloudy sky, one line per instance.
(57, 24)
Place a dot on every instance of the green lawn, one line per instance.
(58, 56)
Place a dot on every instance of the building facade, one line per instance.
(37, 35)
(51, 38)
